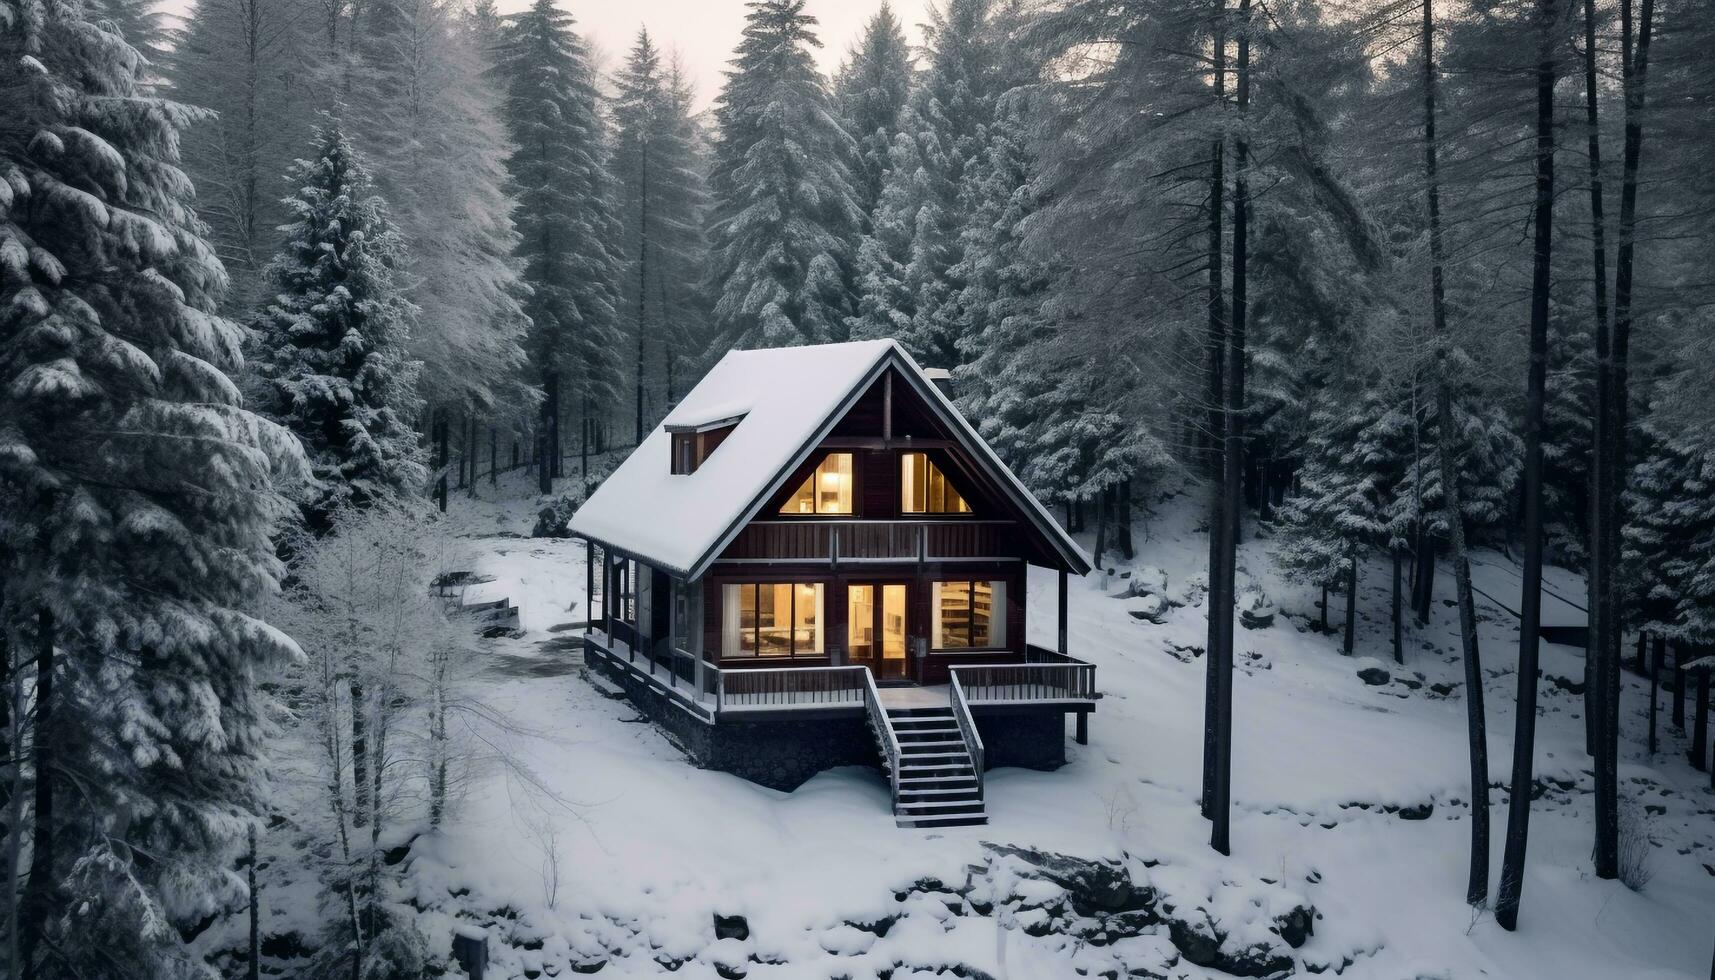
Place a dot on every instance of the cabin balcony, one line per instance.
(835, 542)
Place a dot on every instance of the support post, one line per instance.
(1083, 735)
(694, 633)
(1062, 608)
(589, 586)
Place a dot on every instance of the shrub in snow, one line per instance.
(1635, 845)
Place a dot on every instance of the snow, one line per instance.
(788, 397)
(651, 848)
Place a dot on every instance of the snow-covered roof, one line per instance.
(786, 400)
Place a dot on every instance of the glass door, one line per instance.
(876, 623)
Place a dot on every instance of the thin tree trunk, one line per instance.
(1217, 399)
(440, 429)
(1530, 605)
(253, 968)
(550, 425)
(493, 456)
(1658, 652)
(15, 821)
(39, 890)
(1679, 686)
(1634, 73)
(1398, 627)
(359, 756)
(1122, 521)
(1700, 721)
(1234, 462)
(1101, 527)
(1351, 603)
(1325, 609)
(642, 274)
(1477, 881)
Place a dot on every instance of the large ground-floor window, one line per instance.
(781, 620)
(969, 615)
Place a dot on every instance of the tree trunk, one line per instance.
(493, 456)
(1530, 605)
(1658, 653)
(1679, 686)
(39, 897)
(642, 274)
(1477, 881)
(1700, 722)
(1122, 522)
(1234, 463)
(1101, 530)
(1217, 398)
(441, 460)
(1426, 580)
(550, 425)
(1325, 609)
(1351, 603)
(253, 968)
(1398, 627)
(359, 757)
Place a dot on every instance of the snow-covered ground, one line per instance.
(649, 849)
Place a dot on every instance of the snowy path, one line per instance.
(649, 847)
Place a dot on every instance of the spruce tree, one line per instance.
(140, 497)
(903, 263)
(330, 352)
(661, 203)
(784, 191)
(568, 229)
(872, 88)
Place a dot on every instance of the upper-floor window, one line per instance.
(924, 489)
(691, 447)
(827, 491)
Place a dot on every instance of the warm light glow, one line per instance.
(827, 490)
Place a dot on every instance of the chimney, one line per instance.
(943, 379)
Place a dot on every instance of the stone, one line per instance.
(1091, 886)
(1296, 926)
(1374, 676)
(1417, 811)
(731, 927)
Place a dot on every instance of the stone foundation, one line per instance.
(1027, 739)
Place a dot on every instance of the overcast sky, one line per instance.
(704, 32)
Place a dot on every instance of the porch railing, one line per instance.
(1019, 683)
(967, 726)
(884, 731)
(824, 540)
(787, 687)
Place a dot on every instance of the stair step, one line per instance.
(940, 791)
(954, 820)
(939, 808)
(957, 743)
(937, 767)
(937, 782)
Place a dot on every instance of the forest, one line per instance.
(285, 284)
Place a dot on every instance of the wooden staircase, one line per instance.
(938, 784)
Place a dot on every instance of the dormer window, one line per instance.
(828, 490)
(924, 489)
(693, 444)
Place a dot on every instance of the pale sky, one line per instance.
(704, 32)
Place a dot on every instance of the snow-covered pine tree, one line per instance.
(140, 498)
(662, 199)
(248, 61)
(424, 112)
(1337, 513)
(871, 88)
(1490, 455)
(903, 263)
(330, 351)
(783, 187)
(1028, 390)
(1669, 546)
(1566, 441)
(567, 223)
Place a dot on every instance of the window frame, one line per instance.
(793, 652)
(930, 469)
(997, 614)
(851, 490)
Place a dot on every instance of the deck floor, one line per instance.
(935, 696)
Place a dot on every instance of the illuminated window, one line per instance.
(772, 619)
(827, 491)
(969, 615)
(924, 488)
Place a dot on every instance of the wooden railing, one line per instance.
(788, 687)
(1016, 683)
(884, 731)
(967, 726)
(820, 539)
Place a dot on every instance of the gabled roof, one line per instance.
(786, 400)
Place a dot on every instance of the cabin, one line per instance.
(816, 561)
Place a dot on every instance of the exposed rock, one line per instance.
(1374, 676)
(731, 927)
(1417, 811)
(1092, 886)
(1150, 609)
(1296, 926)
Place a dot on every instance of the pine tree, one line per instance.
(903, 263)
(331, 346)
(140, 499)
(566, 217)
(872, 88)
(783, 185)
(661, 203)
(427, 119)
(1669, 556)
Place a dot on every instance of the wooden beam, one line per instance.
(1062, 608)
(1083, 731)
(887, 407)
(589, 586)
(694, 631)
